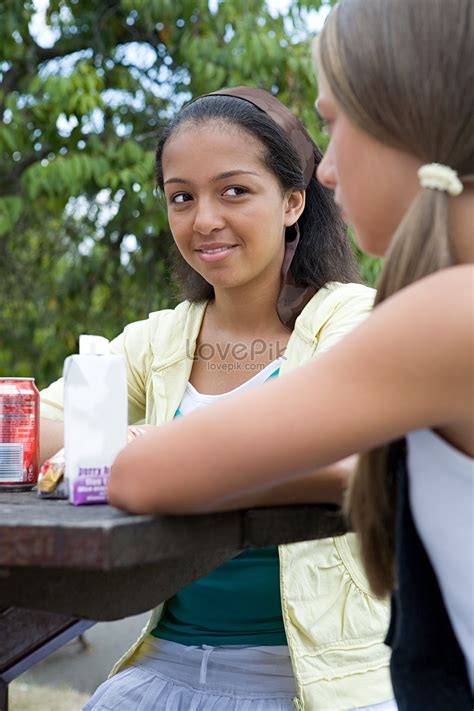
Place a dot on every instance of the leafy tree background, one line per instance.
(84, 241)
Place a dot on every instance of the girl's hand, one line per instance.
(139, 430)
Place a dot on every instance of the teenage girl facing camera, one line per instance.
(270, 283)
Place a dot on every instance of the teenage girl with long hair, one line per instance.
(269, 282)
(396, 92)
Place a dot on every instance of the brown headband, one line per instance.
(296, 132)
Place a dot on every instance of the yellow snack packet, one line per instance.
(51, 473)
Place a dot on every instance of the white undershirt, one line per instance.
(441, 496)
(194, 400)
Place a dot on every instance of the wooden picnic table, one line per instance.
(63, 566)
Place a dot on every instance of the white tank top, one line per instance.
(194, 400)
(441, 492)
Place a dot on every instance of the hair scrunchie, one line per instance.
(440, 177)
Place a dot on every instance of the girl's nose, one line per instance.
(207, 217)
(326, 173)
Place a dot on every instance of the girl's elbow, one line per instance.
(120, 487)
(116, 495)
(137, 488)
(130, 489)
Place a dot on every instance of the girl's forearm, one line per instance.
(327, 485)
(200, 463)
(388, 377)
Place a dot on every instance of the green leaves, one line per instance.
(10, 211)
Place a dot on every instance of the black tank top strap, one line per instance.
(427, 666)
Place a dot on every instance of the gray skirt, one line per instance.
(173, 677)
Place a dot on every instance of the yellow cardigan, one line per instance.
(334, 625)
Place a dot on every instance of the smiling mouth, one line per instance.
(215, 250)
(215, 254)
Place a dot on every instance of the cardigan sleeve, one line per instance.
(345, 308)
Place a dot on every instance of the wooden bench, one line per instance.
(27, 637)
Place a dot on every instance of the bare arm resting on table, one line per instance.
(327, 485)
(408, 366)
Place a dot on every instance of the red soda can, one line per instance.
(19, 433)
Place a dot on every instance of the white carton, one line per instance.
(95, 418)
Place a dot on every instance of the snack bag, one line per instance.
(51, 480)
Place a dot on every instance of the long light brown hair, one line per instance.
(403, 71)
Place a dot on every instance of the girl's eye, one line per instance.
(179, 198)
(235, 191)
(324, 122)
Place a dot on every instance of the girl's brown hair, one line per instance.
(402, 70)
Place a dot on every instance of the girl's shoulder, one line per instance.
(177, 316)
(429, 321)
(459, 273)
(332, 313)
(336, 301)
(336, 294)
(446, 296)
(164, 331)
(342, 291)
(157, 322)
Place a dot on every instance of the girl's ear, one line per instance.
(295, 202)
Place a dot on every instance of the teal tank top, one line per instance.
(238, 603)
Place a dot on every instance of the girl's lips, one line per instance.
(215, 254)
